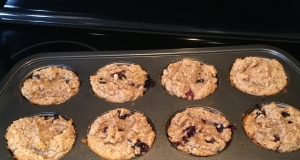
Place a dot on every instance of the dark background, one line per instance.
(29, 27)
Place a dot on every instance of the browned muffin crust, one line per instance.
(258, 76)
(199, 131)
(120, 134)
(39, 138)
(275, 128)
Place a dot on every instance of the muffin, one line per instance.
(120, 83)
(200, 131)
(189, 79)
(274, 127)
(120, 134)
(40, 138)
(258, 76)
(50, 86)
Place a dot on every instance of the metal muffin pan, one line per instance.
(156, 104)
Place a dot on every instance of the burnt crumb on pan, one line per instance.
(200, 80)
(83, 141)
(285, 114)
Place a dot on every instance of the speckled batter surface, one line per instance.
(52, 85)
(200, 132)
(120, 134)
(258, 76)
(274, 127)
(120, 82)
(189, 79)
(38, 138)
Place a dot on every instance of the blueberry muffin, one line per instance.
(273, 127)
(121, 82)
(258, 76)
(52, 85)
(189, 79)
(120, 134)
(200, 131)
(40, 138)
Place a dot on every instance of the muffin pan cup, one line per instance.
(209, 109)
(156, 104)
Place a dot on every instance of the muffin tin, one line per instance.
(156, 104)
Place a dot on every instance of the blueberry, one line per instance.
(143, 146)
(285, 114)
(184, 139)
(191, 130)
(232, 127)
(104, 129)
(149, 82)
(123, 116)
(188, 94)
(219, 127)
(175, 144)
(120, 76)
(276, 138)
